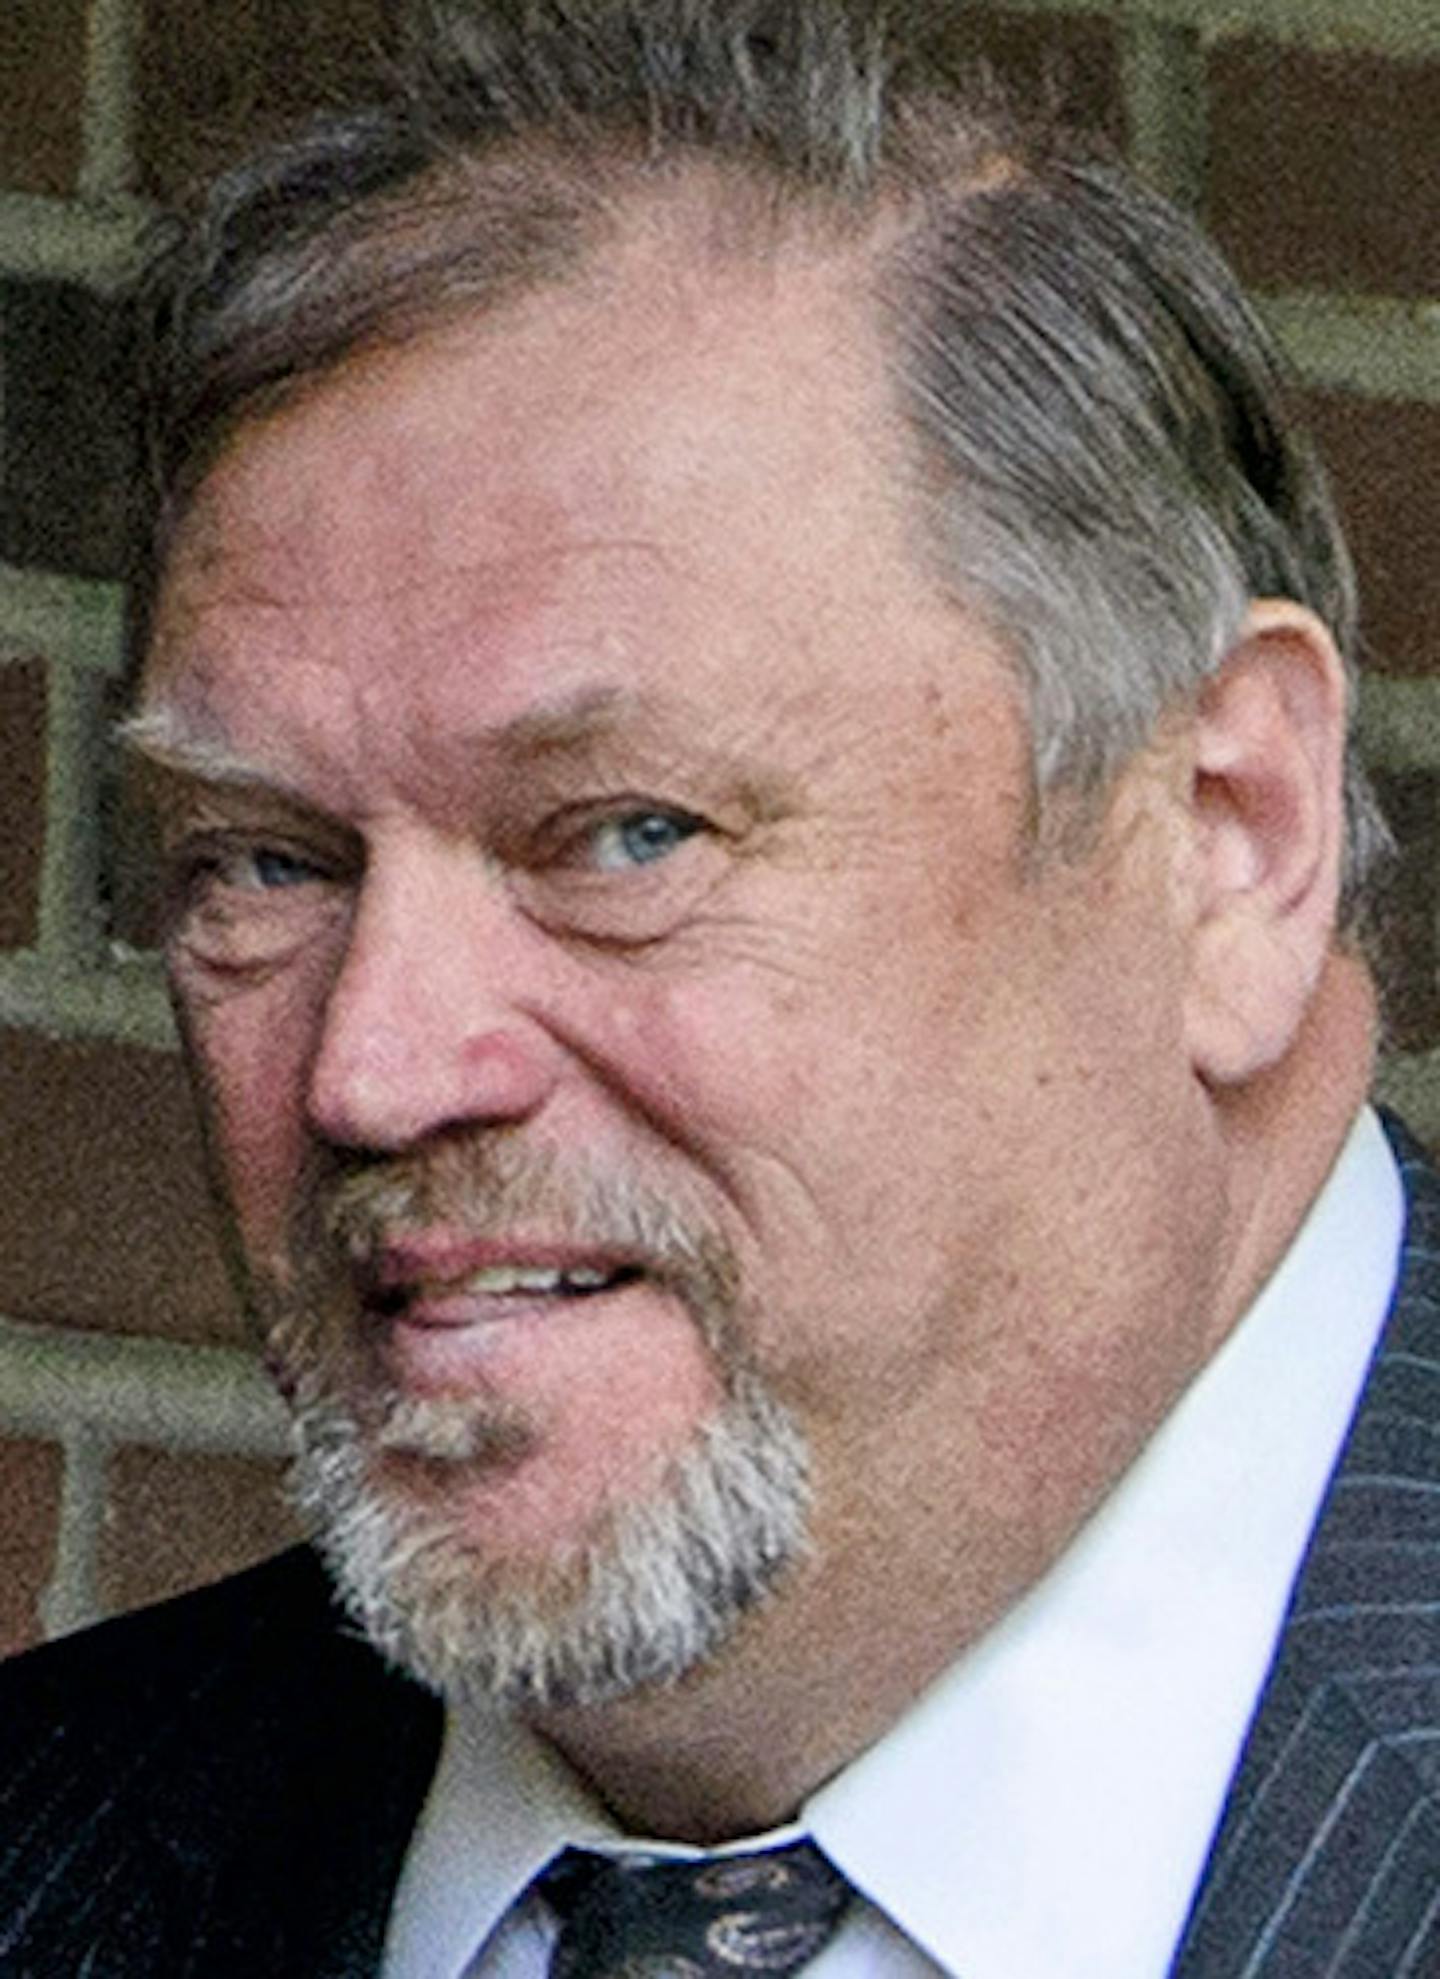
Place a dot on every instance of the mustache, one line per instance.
(478, 1188)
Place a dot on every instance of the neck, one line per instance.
(736, 1748)
(1284, 1131)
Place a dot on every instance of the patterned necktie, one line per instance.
(642, 1919)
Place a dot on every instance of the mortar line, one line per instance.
(72, 1595)
(137, 1389)
(1404, 29)
(1164, 84)
(107, 170)
(69, 927)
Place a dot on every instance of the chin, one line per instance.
(651, 1589)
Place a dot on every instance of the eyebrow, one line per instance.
(164, 738)
(576, 721)
(160, 738)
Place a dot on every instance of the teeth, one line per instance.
(586, 1278)
(499, 1279)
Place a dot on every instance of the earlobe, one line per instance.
(1267, 820)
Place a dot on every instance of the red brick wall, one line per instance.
(42, 90)
(1325, 167)
(1320, 170)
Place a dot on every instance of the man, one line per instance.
(745, 702)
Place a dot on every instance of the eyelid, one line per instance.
(584, 832)
(194, 855)
(577, 825)
(190, 797)
(568, 890)
(204, 817)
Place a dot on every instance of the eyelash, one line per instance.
(586, 835)
(214, 860)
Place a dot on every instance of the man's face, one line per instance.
(616, 980)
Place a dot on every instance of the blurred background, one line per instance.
(139, 1447)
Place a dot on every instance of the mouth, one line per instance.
(432, 1283)
(505, 1319)
(493, 1291)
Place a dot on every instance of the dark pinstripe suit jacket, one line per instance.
(226, 1785)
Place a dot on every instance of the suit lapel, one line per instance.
(1327, 1860)
(222, 1786)
(316, 1813)
(307, 1895)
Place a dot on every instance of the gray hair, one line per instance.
(1105, 440)
(653, 1590)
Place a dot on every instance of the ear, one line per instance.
(1267, 814)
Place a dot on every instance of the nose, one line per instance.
(425, 1025)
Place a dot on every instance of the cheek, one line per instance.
(715, 1061)
(250, 1055)
(803, 1117)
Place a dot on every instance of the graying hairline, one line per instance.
(437, 203)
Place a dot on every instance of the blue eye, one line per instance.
(242, 869)
(640, 838)
(274, 869)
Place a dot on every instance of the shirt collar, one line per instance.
(1048, 1789)
(502, 1803)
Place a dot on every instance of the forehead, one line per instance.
(666, 464)
(666, 362)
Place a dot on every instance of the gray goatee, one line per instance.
(655, 1584)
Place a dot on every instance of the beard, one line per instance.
(656, 1582)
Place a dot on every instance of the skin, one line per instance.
(1002, 1149)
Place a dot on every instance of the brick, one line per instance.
(1325, 167)
(30, 1483)
(22, 798)
(42, 79)
(1409, 911)
(211, 81)
(174, 1522)
(104, 1221)
(1072, 62)
(67, 388)
(1385, 459)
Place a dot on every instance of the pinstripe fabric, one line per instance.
(226, 1785)
(1327, 1860)
(222, 1786)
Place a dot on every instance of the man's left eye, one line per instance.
(639, 838)
(273, 869)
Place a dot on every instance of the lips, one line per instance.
(462, 1317)
(440, 1284)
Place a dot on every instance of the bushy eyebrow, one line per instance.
(162, 736)
(161, 739)
(597, 721)
(589, 722)
(579, 720)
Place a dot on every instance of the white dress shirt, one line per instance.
(1045, 1809)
